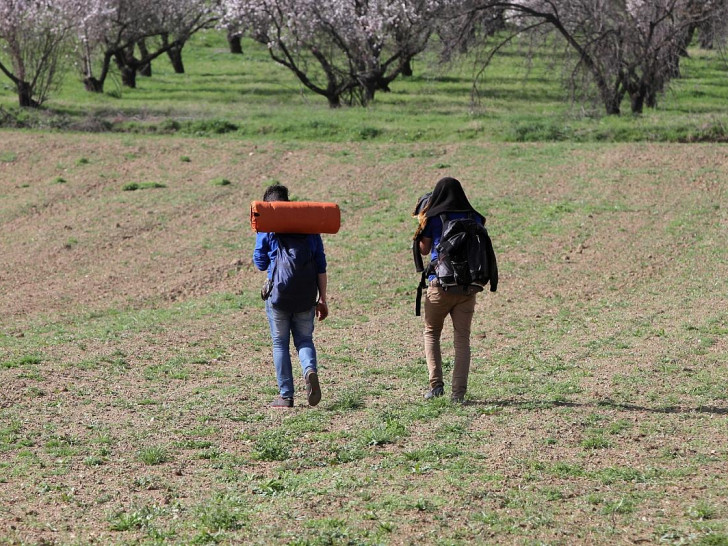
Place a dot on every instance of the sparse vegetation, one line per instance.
(133, 186)
(154, 455)
(135, 354)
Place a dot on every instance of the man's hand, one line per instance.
(322, 310)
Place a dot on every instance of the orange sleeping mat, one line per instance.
(295, 217)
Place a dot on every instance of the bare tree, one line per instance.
(460, 30)
(625, 47)
(713, 31)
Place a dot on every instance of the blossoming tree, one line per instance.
(33, 38)
(133, 33)
(344, 50)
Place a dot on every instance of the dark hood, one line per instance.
(449, 196)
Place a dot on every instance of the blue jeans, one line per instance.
(282, 326)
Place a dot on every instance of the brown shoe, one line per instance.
(313, 389)
(280, 402)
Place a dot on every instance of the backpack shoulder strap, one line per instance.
(275, 237)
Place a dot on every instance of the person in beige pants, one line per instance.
(448, 200)
(438, 305)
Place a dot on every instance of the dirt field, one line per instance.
(131, 321)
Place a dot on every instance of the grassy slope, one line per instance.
(135, 354)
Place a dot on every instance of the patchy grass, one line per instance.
(137, 369)
(7, 156)
(133, 186)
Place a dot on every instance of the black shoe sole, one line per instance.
(313, 388)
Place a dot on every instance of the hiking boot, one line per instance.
(313, 389)
(455, 399)
(434, 393)
(280, 402)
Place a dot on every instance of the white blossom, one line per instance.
(33, 34)
(357, 43)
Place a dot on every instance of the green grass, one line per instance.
(133, 186)
(154, 455)
(249, 96)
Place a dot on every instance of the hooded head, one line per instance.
(448, 196)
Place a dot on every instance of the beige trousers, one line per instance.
(461, 307)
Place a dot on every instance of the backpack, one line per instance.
(466, 260)
(294, 278)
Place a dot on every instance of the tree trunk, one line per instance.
(334, 101)
(651, 99)
(235, 43)
(175, 56)
(146, 68)
(128, 66)
(25, 95)
(705, 39)
(407, 68)
(685, 40)
(93, 85)
(637, 101)
(128, 76)
(369, 89)
(611, 105)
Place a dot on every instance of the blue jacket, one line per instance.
(266, 244)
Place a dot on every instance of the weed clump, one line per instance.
(153, 455)
(209, 127)
(133, 186)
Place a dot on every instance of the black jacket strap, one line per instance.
(420, 287)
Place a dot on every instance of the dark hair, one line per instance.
(276, 192)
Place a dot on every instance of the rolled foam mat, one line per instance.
(295, 216)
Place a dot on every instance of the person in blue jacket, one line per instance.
(284, 324)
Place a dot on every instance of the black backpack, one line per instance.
(294, 280)
(466, 259)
